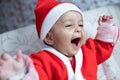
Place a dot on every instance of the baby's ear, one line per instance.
(49, 39)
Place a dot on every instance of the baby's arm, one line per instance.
(107, 31)
(10, 67)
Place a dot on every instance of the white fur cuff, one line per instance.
(107, 34)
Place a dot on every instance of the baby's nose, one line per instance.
(78, 29)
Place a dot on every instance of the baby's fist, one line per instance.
(106, 20)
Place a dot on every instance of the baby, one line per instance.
(64, 55)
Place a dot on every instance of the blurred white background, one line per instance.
(19, 13)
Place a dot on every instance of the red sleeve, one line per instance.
(101, 50)
(49, 66)
(39, 67)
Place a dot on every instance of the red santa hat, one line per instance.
(47, 12)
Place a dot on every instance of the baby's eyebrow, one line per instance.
(66, 20)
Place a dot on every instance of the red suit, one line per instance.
(50, 64)
(50, 67)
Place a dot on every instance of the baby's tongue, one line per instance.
(75, 43)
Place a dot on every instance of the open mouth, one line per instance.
(75, 41)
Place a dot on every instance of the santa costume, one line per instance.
(50, 64)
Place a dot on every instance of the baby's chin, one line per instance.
(72, 53)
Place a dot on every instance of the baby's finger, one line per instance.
(100, 19)
(110, 17)
(104, 17)
(1, 62)
(5, 56)
(19, 56)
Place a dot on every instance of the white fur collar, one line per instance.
(78, 58)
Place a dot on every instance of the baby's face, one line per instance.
(67, 33)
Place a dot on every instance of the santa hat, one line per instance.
(47, 12)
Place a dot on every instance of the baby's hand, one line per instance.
(10, 66)
(106, 20)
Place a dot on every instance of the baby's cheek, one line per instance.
(83, 34)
